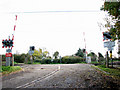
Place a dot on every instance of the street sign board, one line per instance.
(110, 48)
(31, 52)
(109, 44)
(8, 54)
(8, 50)
(88, 59)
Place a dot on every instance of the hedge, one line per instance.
(64, 60)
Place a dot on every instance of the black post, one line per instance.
(111, 58)
(107, 60)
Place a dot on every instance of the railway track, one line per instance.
(39, 79)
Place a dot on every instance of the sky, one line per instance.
(55, 25)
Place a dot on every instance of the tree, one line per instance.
(112, 8)
(92, 55)
(56, 54)
(40, 50)
(38, 53)
(45, 53)
(100, 55)
(80, 53)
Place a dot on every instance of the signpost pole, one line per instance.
(7, 61)
(31, 59)
(12, 60)
(107, 60)
(8, 57)
(111, 58)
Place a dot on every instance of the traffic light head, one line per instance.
(32, 48)
(106, 36)
(3, 43)
(11, 43)
(7, 43)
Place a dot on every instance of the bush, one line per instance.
(19, 58)
(46, 61)
(38, 60)
(3, 57)
(64, 60)
(56, 61)
(71, 59)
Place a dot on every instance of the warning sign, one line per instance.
(8, 54)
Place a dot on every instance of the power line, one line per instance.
(68, 11)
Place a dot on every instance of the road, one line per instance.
(58, 76)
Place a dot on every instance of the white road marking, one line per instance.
(39, 79)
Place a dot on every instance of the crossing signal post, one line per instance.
(9, 44)
(109, 44)
(31, 51)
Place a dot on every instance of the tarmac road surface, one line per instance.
(58, 76)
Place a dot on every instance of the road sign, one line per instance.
(109, 44)
(8, 54)
(110, 48)
(8, 50)
(31, 52)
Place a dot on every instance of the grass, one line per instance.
(18, 63)
(81, 63)
(113, 61)
(94, 62)
(35, 63)
(55, 63)
(112, 71)
(10, 69)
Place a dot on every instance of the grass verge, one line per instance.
(94, 62)
(10, 69)
(114, 72)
